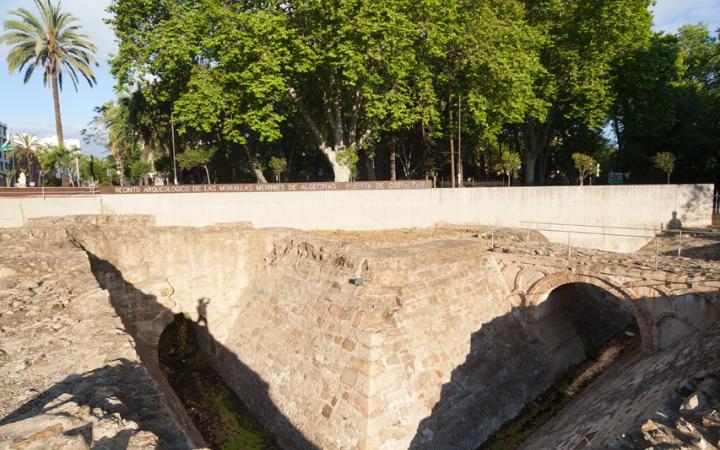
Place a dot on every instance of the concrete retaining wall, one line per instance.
(596, 206)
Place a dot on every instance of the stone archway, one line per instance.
(540, 291)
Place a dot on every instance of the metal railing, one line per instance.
(652, 234)
(49, 192)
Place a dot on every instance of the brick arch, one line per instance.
(540, 291)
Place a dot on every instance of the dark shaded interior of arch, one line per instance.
(576, 319)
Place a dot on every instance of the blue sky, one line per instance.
(28, 108)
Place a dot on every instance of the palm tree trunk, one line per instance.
(56, 104)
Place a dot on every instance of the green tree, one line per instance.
(580, 42)
(140, 169)
(584, 164)
(350, 73)
(9, 175)
(51, 42)
(53, 158)
(508, 164)
(484, 55)
(665, 161)
(197, 157)
(221, 81)
(278, 166)
(23, 152)
(112, 128)
(667, 97)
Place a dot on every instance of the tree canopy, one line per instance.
(352, 89)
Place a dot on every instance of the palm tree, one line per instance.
(23, 148)
(52, 42)
(112, 128)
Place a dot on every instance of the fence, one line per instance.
(655, 234)
(49, 192)
(446, 183)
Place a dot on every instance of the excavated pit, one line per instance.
(221, 417)
(417, 339)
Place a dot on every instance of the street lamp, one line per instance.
(460, 167)
(172, 128)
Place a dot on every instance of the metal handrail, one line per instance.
(41, 191)
(656, 236)
(655, 230)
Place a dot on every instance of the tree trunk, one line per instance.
(31, 172)
(452, 142)
(393, 159)
(668, 178)
(536, 142)
(56, 104)
(207, 173)
(121, 170)
(254, 164)
(341, 171)
(370, 165)
(423, 147)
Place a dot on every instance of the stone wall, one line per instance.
(392, 340)
(339, 344)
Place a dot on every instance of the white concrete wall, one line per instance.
(599, 206)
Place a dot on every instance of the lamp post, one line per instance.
(460, 167)
(172, 128)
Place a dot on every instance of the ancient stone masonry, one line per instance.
(69, 374)
(380, 340)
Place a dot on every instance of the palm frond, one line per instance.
(50, 39)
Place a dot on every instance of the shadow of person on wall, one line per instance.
(675, 223)
(202, 311)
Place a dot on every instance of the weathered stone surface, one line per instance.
(382, 340)
(69, 375)
(667, 400)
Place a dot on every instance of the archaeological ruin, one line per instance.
(119, 329)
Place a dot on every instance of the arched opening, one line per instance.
(221, 417)
(542, 290)
(576, 320)
(582, 330)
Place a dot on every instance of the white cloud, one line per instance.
(53, 140)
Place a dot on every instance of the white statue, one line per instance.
(22, 180)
